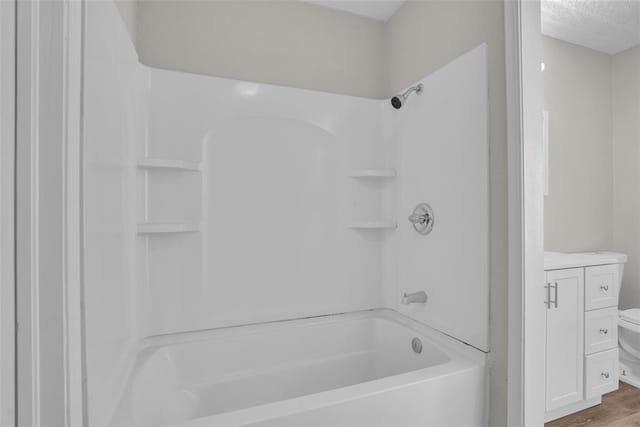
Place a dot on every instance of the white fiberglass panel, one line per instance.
(114, 122)
(443, 159)
(274, 221)
(274, 203)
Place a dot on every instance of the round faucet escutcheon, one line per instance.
(422, 219)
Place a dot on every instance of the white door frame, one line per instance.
(48, 213)
(75, 381)
(7, 206)
(526, 389)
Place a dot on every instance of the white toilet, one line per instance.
(629, 342)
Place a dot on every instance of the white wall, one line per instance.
(626, 170)
(578, 96)
(288, 43)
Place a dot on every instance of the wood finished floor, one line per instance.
(620, 408)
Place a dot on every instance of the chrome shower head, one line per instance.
(398, 101)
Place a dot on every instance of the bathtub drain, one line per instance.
(416, 345)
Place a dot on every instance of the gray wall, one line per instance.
(578, 212)
(594, 184)
(626, 170)
(301, 45)
(288, 43)
(128, 10)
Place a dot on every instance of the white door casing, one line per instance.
(48, 212)
(7, 197)
(526, 334)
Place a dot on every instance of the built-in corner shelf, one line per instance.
(184, 165)
(372, 173)
(374, 225)
(150, 228)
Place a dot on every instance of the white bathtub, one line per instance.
(356, 369)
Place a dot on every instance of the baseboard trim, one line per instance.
(570, 409)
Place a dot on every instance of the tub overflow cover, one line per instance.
(416, 345)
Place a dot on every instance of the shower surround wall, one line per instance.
(272, 197)
(114, 124)
(212, 202)
(441, 140)
(288, 231)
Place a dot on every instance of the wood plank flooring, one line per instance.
(620, 408)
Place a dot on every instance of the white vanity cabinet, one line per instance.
(581, 351)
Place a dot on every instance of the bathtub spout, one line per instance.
(415, 297)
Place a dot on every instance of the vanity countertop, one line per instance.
(560, 260)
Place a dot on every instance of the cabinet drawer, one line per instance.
(601, 286)
(601, 373)
(600, 330)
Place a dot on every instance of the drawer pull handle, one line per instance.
(604, 331)
(605, 375)
(604, 288)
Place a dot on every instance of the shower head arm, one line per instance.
(417, 89)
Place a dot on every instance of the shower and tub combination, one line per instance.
(265, 255)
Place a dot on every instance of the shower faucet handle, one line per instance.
(418, 218)
(422, 219)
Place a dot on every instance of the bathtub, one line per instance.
(354, 369)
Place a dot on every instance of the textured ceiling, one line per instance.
(380, 10)
(609, 26)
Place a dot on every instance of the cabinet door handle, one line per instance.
(550, 301)
(604, 331)
(605, 375)
(604, 288)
